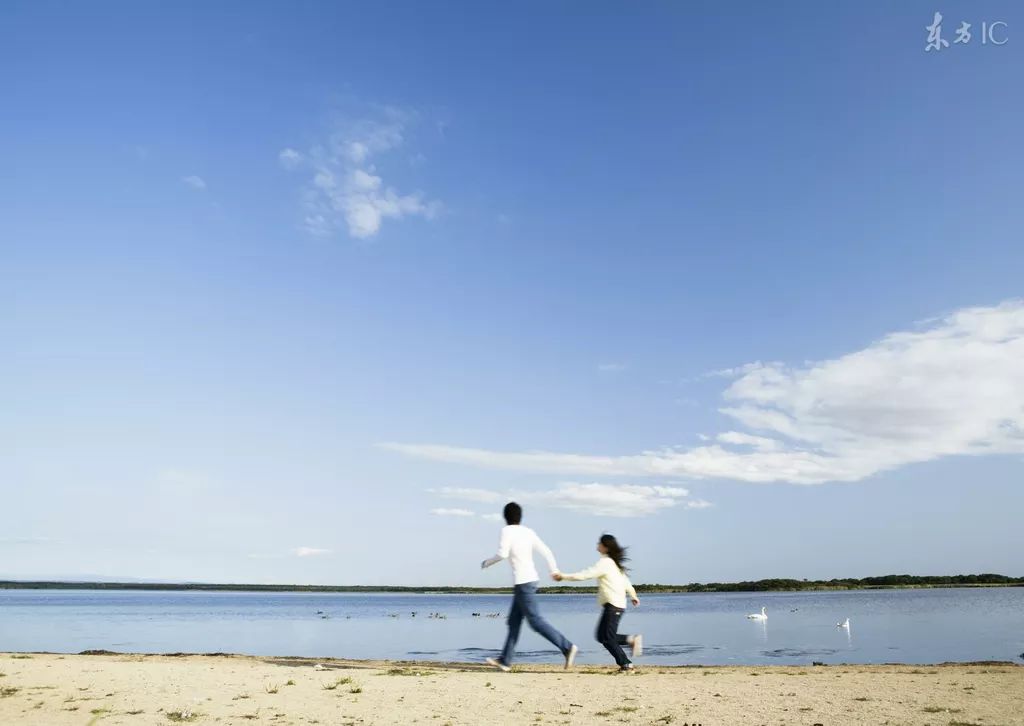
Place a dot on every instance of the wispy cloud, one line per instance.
(611, 367)
(453, 512)
(294, 552)
(466, 513)
(731, 372)
(954, 386)
(534, 461)
(309, 552)
(345, 189)
(290, 158)
(483, 496)
(738, 438)
(196, 182)
(25, 540)
(608, 500)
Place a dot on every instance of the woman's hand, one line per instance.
(556, 576)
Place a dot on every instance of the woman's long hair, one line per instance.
(615, 551)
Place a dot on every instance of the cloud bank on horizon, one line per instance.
(953, 386)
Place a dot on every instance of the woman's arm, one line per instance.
(591, 573)
(631, 591)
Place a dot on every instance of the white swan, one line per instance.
(763, 615)
(844, 624)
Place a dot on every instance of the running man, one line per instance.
(517, 545)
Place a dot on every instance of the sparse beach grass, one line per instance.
(108, 688)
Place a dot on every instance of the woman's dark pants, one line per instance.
(608, 633)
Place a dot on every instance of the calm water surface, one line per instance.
(905, 626)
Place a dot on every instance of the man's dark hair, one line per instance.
(513, 513)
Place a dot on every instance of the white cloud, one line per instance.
(611, 367)
(24, 540)
(453, 512)
(952, 387)
(739, 438)
(609, 500)
(470, 495)
(536, 461)
(466, 513)
(309, 552)
(345, 190)
(730, 372)
(195, 182)
(697, 504)
(290, 158)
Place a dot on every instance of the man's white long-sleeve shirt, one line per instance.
(517, 545)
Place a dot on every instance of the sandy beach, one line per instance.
(150, 689)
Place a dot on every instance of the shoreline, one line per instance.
(647, 590)
(302, 660)
(125, 688)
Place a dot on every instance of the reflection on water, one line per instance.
(801, 653)
(762, 629)
(913, 626)
(668, 651)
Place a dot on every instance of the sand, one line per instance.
(150, 689)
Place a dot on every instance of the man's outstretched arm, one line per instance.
(503, 549)
(546, 553)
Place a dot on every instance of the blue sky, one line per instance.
(302, 293)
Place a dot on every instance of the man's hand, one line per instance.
(636, 602)
(556, 576)
(483, 565)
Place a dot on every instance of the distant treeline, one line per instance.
(850, 583)
(775, 584)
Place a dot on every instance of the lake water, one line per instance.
(904, 626)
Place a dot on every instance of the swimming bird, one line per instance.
(844, 624)
(763, 615)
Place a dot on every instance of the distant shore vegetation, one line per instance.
(769, 585)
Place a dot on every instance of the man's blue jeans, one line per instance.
(524, 605)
